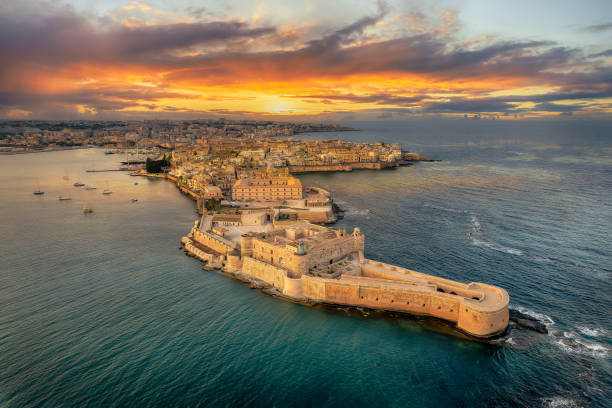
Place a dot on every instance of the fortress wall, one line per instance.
(211, 241)
(313, 288)
(265, 272)
(234, 263)
(373, 165)
(267, 251)
(369, 271)
(211, 259)
(381, 270)
(338, 292)
(315, 216)
(486, 317)
(482, 323)
(333, 249)
(409, 299)
(293, 287)
(246, 246)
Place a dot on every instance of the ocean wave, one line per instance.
(559, 402)
(571, 342)
(357, 212)
(592, 332)
(475, 235)
(446, 209)
(349, 210)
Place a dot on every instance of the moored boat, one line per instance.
(78, 184)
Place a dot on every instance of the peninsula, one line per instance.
(260, 224)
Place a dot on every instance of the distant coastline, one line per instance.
(51, 149)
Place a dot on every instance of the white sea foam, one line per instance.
(573, 343)
(475, 235)
(592, 332)
(559, 402)
(352, 211)
(541, 317)
(357, 212)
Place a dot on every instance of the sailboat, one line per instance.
(37, 191)
(62, 197)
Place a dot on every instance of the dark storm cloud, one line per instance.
(59, 35)
(467, 106)
(553, 107)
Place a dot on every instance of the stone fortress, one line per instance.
(316, 264)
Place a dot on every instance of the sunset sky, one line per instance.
(301, 60)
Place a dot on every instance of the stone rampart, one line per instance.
(214, 242)
(484, 316)
(265, 272)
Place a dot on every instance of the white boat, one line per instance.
(134, 200)
(90, 187)
(63, 198)
(107, 191)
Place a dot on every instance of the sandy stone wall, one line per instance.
(264, 272)
(377, 294)
(316, 217)
(213, 242)
(334, 249)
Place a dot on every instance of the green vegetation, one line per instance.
(212, 204)
(69, 143)
(156, 166)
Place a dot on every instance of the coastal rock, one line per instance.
(525, 321)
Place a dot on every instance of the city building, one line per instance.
(266, 189)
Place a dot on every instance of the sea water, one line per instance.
(105, 310)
